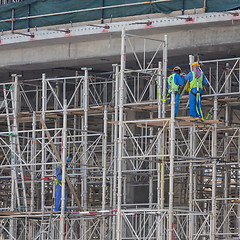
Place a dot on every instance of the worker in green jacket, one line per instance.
(174, 81)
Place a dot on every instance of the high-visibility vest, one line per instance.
(171, 84)
(196, 82)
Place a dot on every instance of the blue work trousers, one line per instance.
(58, 198)
(195, 105)
(176, 102)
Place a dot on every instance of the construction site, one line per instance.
(84, 85)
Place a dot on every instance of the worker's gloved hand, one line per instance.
(183, 75)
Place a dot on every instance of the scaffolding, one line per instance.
(135, 171)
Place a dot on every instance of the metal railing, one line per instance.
(2, 2)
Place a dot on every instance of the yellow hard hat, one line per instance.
(177, 68)
(195, 64)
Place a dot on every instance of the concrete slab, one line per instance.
(206, 34)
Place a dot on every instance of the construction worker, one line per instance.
(174, 81)
(196, 80)
(59, 189)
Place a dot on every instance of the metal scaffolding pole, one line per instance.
(104, 169)
(115, 154)
(85, 150)
(191, 183)
(44, 108)
(192, 149)
(238, 206)
(171, 173)
(120, 136)
(227, 155)
(164, 72)
(63, 158)
(214, 174)
(13, 223)
(33, 167)
(160, 165)
(85, 137)
(74, 150)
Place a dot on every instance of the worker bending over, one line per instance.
(197, 81)
(59, 189)
(174, 81)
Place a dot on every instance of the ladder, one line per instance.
(11, 98)
(46, 225)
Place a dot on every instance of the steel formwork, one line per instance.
(136, 171)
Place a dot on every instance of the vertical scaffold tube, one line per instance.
(226, 185)
(104, 169)
(171, 174)
(160, 166)
(115, 154)
(191, 219)
(120, 139)
(161, 141)
(64, 156)
(214, 173)
(44, 108)
(151, 165)
(33, 167)
(238, 208)
(14, 193)
(85, 147)
(164, 89)
(192, 132)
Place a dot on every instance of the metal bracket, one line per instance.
(60, 30)
(235, 14)
(24, 34)
(100, 26)
(188, 19)
(148, 23)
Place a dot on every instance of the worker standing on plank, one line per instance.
(174, 81)
(59, 189)
(197, 81)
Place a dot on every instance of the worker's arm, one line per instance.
(204, 82)
(188, 77)
(179, 80)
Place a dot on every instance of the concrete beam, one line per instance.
(200, 34)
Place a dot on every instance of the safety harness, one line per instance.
(159, 94)
(197, 83)
(172, 86)
(58, 182)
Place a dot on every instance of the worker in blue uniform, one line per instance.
(59, 189)
(174, 81)
(196, 80)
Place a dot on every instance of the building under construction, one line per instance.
(88, 81)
